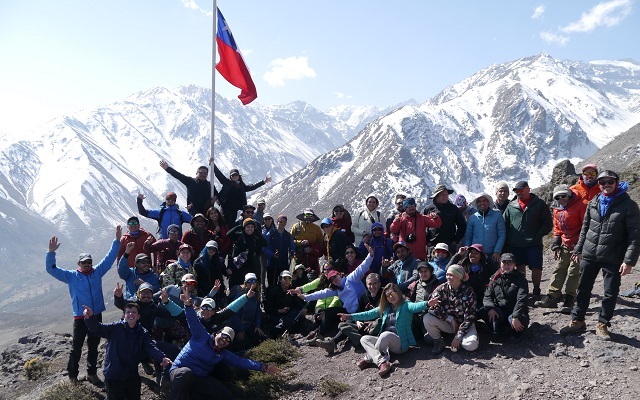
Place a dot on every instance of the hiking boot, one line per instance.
(329, 345)
(438, 346)
(574, 327)
(602, 331)
(364, 364)
(95, 380)
(384, 369)
(567, 306)
(547, 301)
(148, 368)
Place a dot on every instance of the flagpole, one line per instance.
(213, 93)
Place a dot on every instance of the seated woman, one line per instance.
(217, 224)
(395, 329)
(321, 323)
(247, 322)
(244, 255)
(420, 290)
(452, 309)
(351, 256)
(440, 257)
(282, 308)
(477, 267)
(505, 300)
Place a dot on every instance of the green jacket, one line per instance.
(325, 303)
(527, 228)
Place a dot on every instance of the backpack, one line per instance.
(163, 209)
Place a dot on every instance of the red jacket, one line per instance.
(197, 241)
(139, 240)
(567, 223)
(585, 192)
(416, 225)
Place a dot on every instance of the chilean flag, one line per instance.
(231, 65)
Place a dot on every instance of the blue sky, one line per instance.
(60, 56)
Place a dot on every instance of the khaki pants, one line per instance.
(378, 347)
(565, 270)
(435, 326)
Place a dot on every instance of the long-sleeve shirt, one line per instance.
(459, 304)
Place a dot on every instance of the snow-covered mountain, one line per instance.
(511, 121)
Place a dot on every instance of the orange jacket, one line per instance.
(567, 223)
(585, 192)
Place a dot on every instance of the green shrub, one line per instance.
(279, 351)
(68, 391)
(35, 368)
(333, 388)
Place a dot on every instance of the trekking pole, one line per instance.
(296, 318)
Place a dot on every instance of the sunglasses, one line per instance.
(89, 262)
(603, 182)
(377, 229)
(268, 218)
(391, 294)
(190, 283)
(170, 198)
(589, 173)
(173, 232)
(206, 308)
(211, 249)
(507, 262)
(144, 261)
(225, 337)
(441, 251)
(251, 281)
(560, 196)
(308, 215)
(133, 223)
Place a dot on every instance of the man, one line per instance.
(382, 247)
(233, 194)
(137, 275)
(587, 186)
(85, 288)
(502, 196)
(278, 250)
(248, 211)
(399, 203)
(282, 307)
(127, 344)
(528, 220)
(198, 236)
(465, 209)
(453, 225)
(137, 236)
(199, 197)
(411, 228)
(191, 369)
(336, 242)
(309, 240)
(259, 214)
(354, 330)
(609, 241)
(168, 214)
(164, 250)
(568, 214)
(404, 270)
(486, 227)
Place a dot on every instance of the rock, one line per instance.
(633, 368)
(584, 363)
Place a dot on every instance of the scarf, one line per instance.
(184, 265)
(606, 200)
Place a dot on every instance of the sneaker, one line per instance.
(311, 335)
(364, 364)
(574, 327)
(329, 345)
(438, 346)
(384, 368)
(95, 380)
(547, 301)
(602, 331)
(567, 306)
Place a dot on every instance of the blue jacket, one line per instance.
(84, 289)
(129, 276)
(350, 288)
(199, 355)
(172, 215)
(404, 316)
(283, 244)
(489, 230)
(382, 248)
(440, 268)
(403, 273)
(126, 347)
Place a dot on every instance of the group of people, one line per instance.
(377, 281)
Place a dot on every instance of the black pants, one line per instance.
(123, 390)
(80, 331)
(502, 325)
(611, 279)
(185, 385)
(330, 320)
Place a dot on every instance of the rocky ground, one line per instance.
(542, 364)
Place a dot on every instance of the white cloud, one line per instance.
(283, 69)
(340, 95)
(608, 13)
(551, 37)
(537, 12)
(191, 4)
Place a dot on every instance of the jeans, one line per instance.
(435, 325)
(379, 347)
(80, 331)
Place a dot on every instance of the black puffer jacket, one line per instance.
(453, 224)
(509, 292)
(614, 238)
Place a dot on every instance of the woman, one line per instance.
(218, 225)
(321, 324)
(341, 219)
(350, 255)
(209, 269)
(475, 263)
(174, 272)
(247, 323)
(366, 217)
(395, 336)
(452, 309)
(245, 255)
(440, 257)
